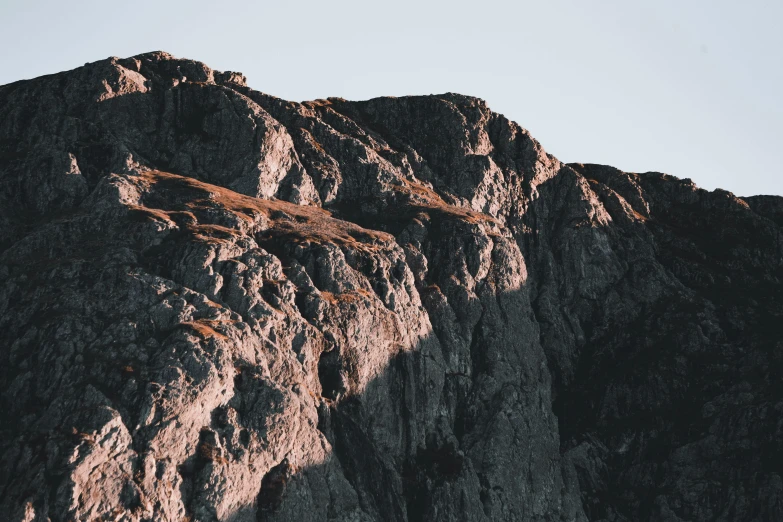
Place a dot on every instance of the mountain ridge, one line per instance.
(220, 305)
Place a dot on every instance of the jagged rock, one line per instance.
(219, 305)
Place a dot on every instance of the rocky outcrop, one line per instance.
(219, 305)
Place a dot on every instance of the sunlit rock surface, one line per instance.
(220, 305)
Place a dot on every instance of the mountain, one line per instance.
(219, 305)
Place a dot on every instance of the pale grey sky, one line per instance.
(693, 88)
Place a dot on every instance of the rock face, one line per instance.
(219, 305)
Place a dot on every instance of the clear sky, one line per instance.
(693, 88)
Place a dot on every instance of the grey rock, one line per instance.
(220, 305)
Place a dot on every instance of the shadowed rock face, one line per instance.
(219, 305)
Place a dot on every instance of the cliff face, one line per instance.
(219, 305)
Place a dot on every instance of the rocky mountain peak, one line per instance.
(219, 305)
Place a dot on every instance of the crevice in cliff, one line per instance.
(330, 368)
(273, 488)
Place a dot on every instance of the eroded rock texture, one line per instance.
(219, 305)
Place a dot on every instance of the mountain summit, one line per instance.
(219, 305)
